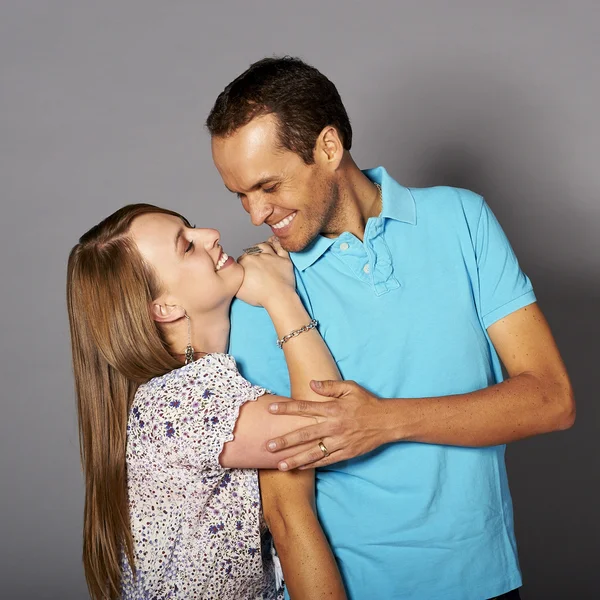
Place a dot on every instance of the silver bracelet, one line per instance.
(292, 334)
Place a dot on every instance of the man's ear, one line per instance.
(329, 148)
(167, 313)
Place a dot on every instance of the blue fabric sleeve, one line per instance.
(253, 344)
(503, 287)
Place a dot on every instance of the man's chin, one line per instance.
(297, 244)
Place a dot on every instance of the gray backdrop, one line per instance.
(103, 103)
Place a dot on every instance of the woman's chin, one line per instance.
(236, 271)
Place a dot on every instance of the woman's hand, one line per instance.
(268, 276)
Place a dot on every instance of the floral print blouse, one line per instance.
(197, 527)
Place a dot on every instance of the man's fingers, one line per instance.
(334, 457)
(309, 458)
(295, 438)
(333, 389)
(304, 407)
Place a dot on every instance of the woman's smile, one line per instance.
(224, 261)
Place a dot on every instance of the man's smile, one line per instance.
(280, 227)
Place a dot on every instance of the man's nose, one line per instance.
(259, 211)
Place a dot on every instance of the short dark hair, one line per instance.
(301, 97)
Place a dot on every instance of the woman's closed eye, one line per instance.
(191, 244)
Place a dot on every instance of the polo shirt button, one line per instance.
(344, 246)
(366, 268)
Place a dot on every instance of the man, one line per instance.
(419, 297)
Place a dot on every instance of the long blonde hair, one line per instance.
(116, 346)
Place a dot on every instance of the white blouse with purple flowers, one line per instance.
(197, 527)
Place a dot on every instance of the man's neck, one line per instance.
(359, 200)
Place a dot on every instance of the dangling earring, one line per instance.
(189, 349)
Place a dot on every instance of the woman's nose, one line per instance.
(210, 238)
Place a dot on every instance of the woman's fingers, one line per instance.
(256, 250)
(266, 247)
(270, 246)
(274, 241)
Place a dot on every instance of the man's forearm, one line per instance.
(537, 398)
(519, 407)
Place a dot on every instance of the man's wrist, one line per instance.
(391, 422)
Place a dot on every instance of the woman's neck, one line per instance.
(210, 333)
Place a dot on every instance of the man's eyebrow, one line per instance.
(258, 184)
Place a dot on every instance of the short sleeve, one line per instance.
(503, 287)
(192, 412)
(219, 394)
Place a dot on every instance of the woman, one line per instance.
(170, 432)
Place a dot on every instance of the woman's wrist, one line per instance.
(287, 312)
(282, 301)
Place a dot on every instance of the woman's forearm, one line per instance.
(309, 568)
(307, 355)
(308, 564)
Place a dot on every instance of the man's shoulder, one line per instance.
(249, 323)
(451, 197)
(253, 343)
(239, 308)
(444, 205)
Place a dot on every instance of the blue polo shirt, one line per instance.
(405, 313)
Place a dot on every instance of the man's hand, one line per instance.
(351, 424)
(536, 398)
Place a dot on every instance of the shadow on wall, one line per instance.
(555, 478)
(505, 139)
(469, 130)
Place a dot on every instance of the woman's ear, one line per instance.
(167, 313)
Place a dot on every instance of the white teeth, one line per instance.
(221, 261)
(284, 222)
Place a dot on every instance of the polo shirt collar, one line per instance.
(308, 256)
(397, 201)
(398, 204)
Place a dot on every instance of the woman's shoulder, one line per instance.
(214, 374)
(210, 365)
(191, 411)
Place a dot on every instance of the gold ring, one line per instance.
(323, 449)
(253, 250)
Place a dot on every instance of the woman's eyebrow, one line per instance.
(178, 237)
